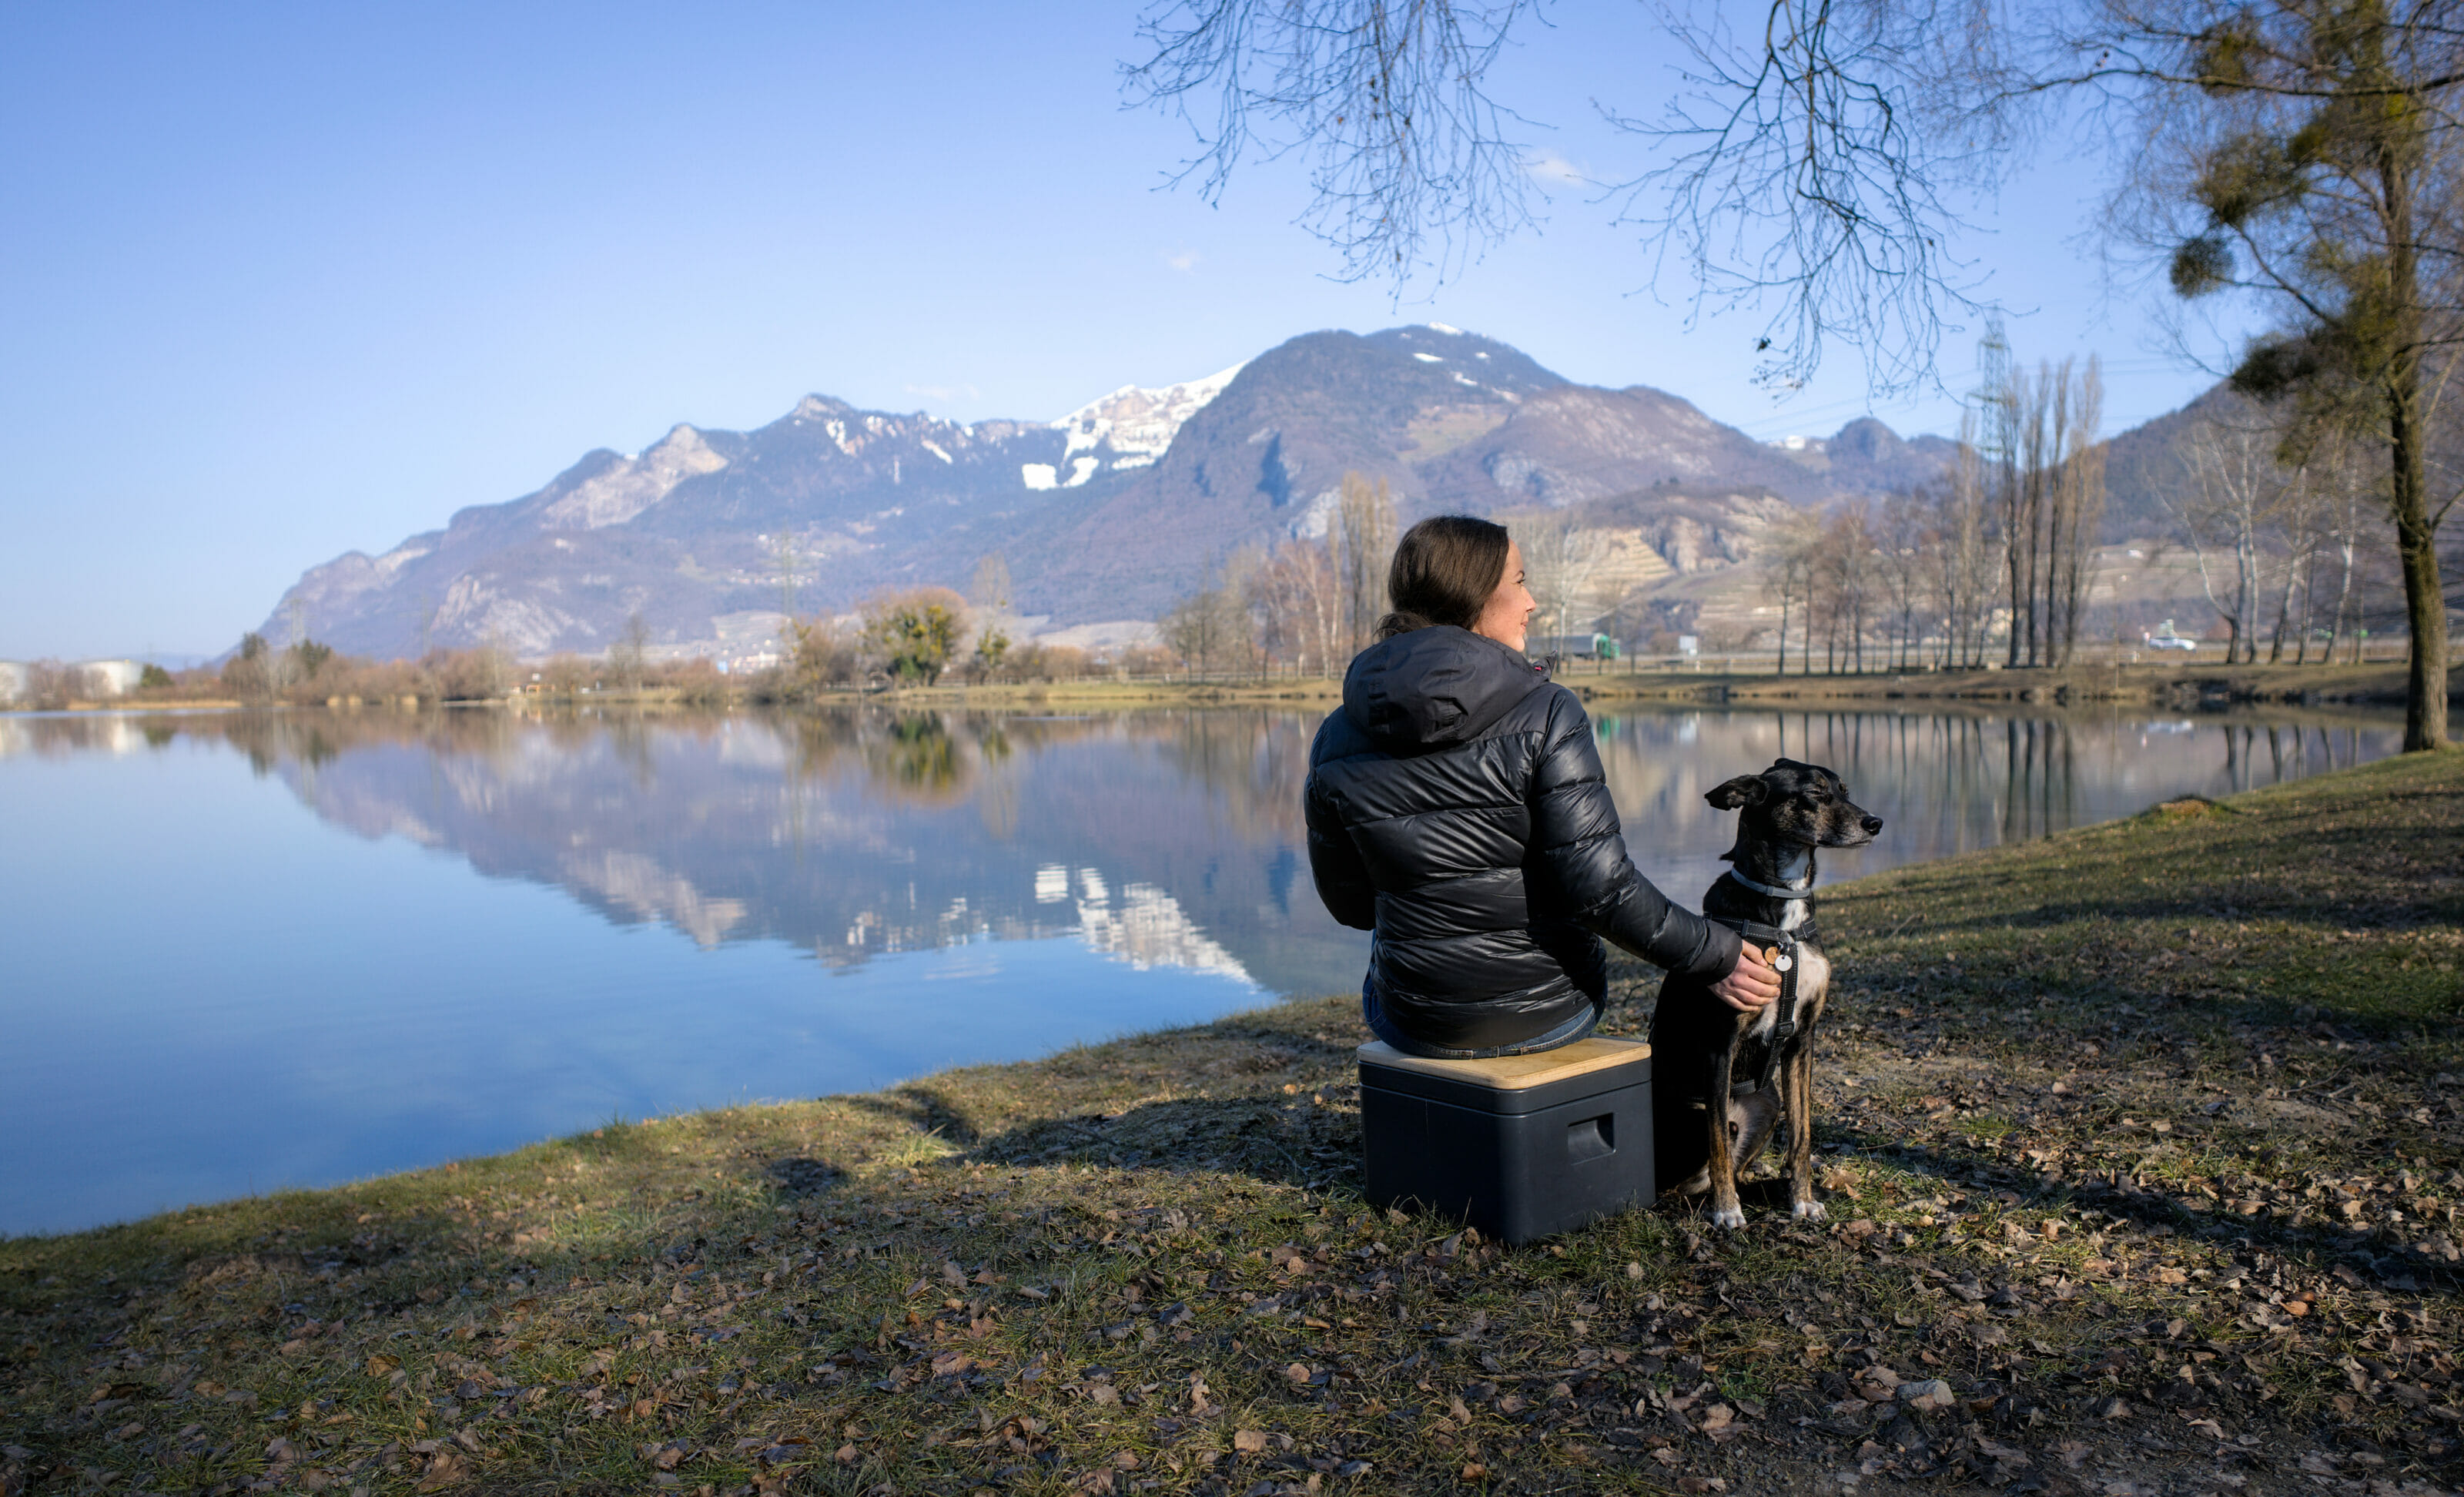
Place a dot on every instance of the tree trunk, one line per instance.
(2018, 607)
(2343, 598)
(2246, 598)
(2425, 604)
(2284, 613)
(2416, 537)
(2309, 604)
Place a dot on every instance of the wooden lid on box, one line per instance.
(1515, 1072)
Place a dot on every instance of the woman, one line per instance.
(1457, 809)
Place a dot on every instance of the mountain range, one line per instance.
(1110, 513)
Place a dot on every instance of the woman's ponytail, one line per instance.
(1444, 570)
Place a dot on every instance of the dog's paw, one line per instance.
(1809, 1211)
(1729, 1220)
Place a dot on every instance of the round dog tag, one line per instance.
(1782, 962)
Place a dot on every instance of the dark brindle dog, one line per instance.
(1759, 1065)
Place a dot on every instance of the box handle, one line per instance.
(1592, 1138)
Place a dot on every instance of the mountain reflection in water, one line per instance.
(1164, 840)
(210, 993)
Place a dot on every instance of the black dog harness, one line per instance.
(1783, 946)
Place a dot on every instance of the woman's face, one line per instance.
(1510, 607)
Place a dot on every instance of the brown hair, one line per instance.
(1444, 570)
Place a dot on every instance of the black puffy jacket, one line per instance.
(1457, 807)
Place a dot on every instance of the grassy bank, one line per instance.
(1312, 690)
(2141, 1146)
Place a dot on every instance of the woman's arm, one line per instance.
(1334, 862)
(1576, 841)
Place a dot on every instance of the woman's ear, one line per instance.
(1743, 790)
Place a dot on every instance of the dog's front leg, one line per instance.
(1797, 1080)
(1726, 1211)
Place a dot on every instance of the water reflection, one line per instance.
(849, 835)
(1162, 838)
(1949, 781)
(210, 992)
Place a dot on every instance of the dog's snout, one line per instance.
(1873, 824)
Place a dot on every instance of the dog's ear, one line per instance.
(1743, 790)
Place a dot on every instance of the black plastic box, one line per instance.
(1521, 1147)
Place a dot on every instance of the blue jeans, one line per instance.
(1385, 1029)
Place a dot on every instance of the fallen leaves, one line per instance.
(446, 1467)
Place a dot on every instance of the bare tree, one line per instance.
(2077, 509)
(990, 590)
(1561, 562)
(1362, 540)
(1299, 604)
(51, 685)
(1902, 540)
(630, 655)
(2233, 493)
(2343, 528)
(1207, 630)
(1787, 566)
(1966, 558)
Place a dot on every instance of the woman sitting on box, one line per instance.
(1457, 809)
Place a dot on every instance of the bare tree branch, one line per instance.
(1410, 160)
(1828, 161)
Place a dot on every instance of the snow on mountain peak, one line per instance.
(1138, 422)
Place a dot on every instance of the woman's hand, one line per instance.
(1750, 984)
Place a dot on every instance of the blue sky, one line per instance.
(282, 281)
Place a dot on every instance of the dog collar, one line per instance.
(1806, 893)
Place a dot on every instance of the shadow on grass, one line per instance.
(2150, 1210)
(925, 1108)
(1279, 1140)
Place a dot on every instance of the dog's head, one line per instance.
(1804, 804)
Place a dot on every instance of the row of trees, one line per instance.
(309, 672)
(2005, 542)
(2296, 540)
(1999, 556)
(53, 685)
(1311, 603)
(921, 636)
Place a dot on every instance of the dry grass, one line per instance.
(2141, 1145)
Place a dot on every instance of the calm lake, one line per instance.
(246, 952)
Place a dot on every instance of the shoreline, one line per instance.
(2069, 1123)
(2177, 687)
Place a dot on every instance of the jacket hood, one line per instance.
(1434, 687)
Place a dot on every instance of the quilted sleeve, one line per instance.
(1579, 848)
(1334, 862)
